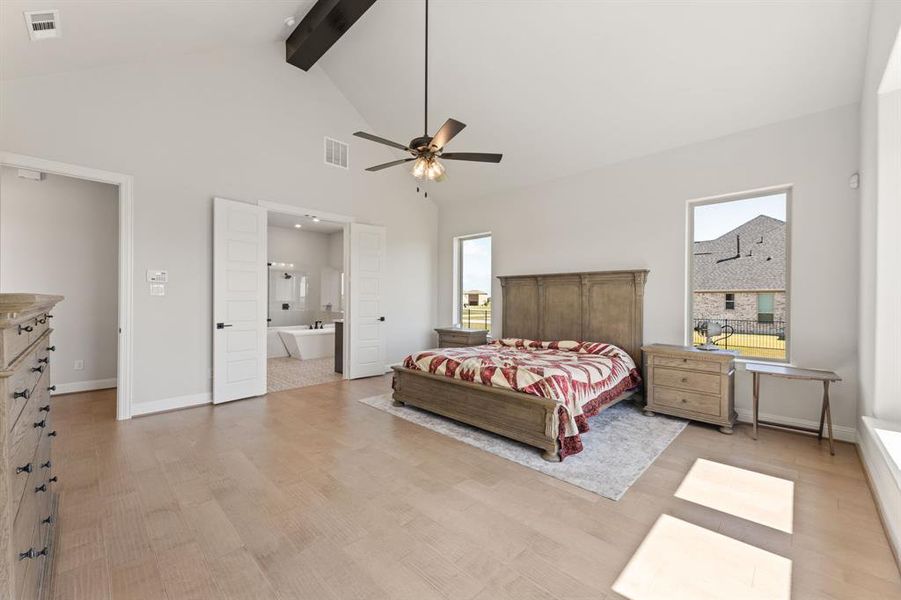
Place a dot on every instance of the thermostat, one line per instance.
(157, 276)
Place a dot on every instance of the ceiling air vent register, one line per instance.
(42, 24)
(335, 153)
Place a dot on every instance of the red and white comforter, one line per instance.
(583, 377)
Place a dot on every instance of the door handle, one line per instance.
(381, 318)
(223, 325)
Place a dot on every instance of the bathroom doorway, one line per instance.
(306, 300)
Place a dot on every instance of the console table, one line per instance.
(788, 372)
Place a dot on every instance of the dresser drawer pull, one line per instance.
(42, 320)
(49, 316)
(46, 465)
(48, 520)
(41, 488)
(45, 360)
(32, 553)
(42, 423)
(52, 433)
(37, 369)
(45, 408)
(53, 479)
(24, 469)
(51, 348)
(23, 394)
(25, 329)
(51, 388)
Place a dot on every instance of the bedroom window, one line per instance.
(738, 278)
(473, 285)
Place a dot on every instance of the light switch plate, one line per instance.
(157, 276)
(157, 289)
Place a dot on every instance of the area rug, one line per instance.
(621, 444)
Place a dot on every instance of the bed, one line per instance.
(537, 312)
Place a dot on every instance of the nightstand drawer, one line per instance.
(708, 383)
(685, 400)
(686, 363)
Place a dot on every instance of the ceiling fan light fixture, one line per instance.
(428, 168)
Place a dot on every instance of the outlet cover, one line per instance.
(79, 365)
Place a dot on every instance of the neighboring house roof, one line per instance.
(750, 257)
(476, 292)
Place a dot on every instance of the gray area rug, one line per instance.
(620, 446)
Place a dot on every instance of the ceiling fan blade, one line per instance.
(380, 140)
(474, 156)
(390, 164)
(447, 132)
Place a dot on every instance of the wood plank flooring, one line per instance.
(309, 494)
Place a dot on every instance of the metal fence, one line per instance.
(750, 338)
(477, 317)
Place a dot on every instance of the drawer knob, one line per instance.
(48, 520)
(45, 408)
(24, 469)
(41, 321)
(25, 329)
(41, 488)
(45, 360)
(23, 394)
(51, 348)
(37, 369)
(52, 433)
(32, 553)
(41, 423)
(53, 479)
(51, 388)
(46, 465)
(49, 316)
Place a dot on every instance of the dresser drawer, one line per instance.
(686, 363)
(28, 571)
(688, 380)
(686, 400)
(15, 340)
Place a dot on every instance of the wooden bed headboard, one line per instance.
(599, 306)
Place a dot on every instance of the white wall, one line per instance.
(241, 124)
(885, 21)
(309, 252)
(60, 236)
(632, 215)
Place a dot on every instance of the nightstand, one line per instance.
(458, 337)
(686, 382)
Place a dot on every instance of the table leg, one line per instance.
(756, 390)
(822, 415)
(828, 416)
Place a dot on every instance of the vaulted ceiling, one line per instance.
(559, 87)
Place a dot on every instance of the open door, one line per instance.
(239, 300)
(366, 341)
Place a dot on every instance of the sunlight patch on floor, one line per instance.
(681, 561)
(760, 498)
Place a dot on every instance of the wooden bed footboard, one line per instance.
(522, 417)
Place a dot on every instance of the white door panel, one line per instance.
(367, 316)
(239, 300)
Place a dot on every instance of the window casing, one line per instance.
(472, 285)
(741, 243)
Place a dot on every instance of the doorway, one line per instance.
(66, 229)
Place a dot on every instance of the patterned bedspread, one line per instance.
(583, 377)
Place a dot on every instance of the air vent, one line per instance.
(42, 24)
(335, 153)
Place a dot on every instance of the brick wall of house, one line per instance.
(712, 305)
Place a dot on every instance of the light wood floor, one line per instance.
(309, 494)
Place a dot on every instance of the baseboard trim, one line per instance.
(883, 484)
(167, 404)
(84, 386)
(840, 432)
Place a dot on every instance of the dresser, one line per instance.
(691, 383)
(27, 499)
(459, 337)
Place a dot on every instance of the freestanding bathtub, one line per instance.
(299, 341)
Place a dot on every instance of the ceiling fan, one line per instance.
(426, 150)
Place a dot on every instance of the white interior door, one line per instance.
(239, 300)
(366, 343)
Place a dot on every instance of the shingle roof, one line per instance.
(750, 257)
